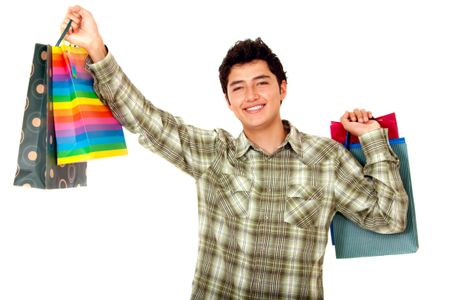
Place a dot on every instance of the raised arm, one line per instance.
(189, 148)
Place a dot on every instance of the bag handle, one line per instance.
(64, 32)
(73, 70)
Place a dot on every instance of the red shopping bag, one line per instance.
(338, 133)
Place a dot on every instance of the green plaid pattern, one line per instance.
(263, 219)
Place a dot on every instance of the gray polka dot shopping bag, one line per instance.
(36, 165)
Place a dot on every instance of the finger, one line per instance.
(365, 118)
(64, 25)
(358, 115)
(78, 9)
(75, 18)
(75, 13)
(75, 26)
(369, 114)
(352, 116)
(345, 116)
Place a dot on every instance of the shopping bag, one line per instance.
(389, 121)
(36, 166)
(85, 127)
(350, 240)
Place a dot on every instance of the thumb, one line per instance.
(345, 117)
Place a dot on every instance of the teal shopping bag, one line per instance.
(350, 240)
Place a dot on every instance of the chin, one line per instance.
(254, 125)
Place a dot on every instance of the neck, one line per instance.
(268, 139)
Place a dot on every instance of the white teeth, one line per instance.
(254, 107)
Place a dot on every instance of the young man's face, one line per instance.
(254, 95)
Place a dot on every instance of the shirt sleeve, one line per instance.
(373, 196)
(189, 148)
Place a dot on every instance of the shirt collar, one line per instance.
(293, 138)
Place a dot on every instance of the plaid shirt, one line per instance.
(263, 219)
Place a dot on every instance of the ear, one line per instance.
(283, 90)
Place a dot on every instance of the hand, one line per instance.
(84, 32)
(358, 123)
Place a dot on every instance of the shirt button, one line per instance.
(266, 217)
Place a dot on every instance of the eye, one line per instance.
(236, 88)
(263, 83)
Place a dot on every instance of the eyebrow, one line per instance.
(254, 78)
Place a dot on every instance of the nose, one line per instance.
(251, 94)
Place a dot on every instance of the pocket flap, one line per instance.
(236, 190)
(235, 183)
(303, 205)
(304, 192)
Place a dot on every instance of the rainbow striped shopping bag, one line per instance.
(84, 126)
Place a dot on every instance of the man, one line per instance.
(266, 198)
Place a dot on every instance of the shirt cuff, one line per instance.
(375, 145)
(104, 69)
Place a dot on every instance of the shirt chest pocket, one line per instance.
(234, 195)
(304, 206)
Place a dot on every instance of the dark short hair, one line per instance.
(246, 51)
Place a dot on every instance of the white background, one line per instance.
(132, 233)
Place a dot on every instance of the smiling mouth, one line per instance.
(255, 109)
